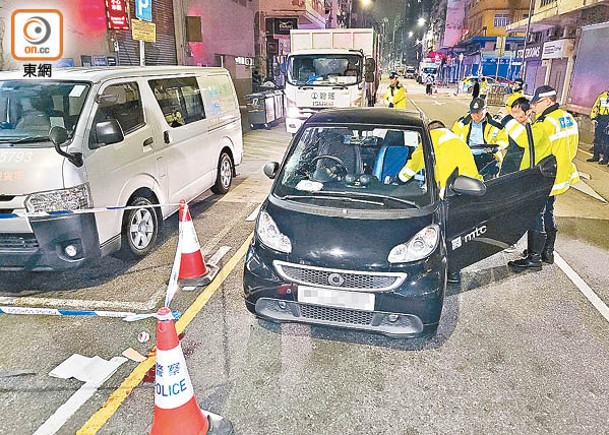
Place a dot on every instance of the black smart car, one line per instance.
(338, 242)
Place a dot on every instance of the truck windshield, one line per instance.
(354, 167)
(429, 70)
(29, 108)
(325, 70)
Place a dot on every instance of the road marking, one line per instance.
(220, 253)
(582, 286)
(252, 217)
(101, 417)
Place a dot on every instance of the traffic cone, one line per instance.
(193, 271)
(175, 407)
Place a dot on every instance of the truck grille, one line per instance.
(339, 279)
(18, 242)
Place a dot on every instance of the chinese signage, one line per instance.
(143, 31)
(557, 49)
(36, 34)
(284, 25)
(116, 15)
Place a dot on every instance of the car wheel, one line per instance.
(140, 229)
(225, 175)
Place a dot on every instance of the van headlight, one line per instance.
(74, 198)
(269, 234)
(417, 248)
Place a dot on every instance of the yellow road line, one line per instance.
(101, 417)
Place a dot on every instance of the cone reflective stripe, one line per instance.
(175, 407)
(192, 264)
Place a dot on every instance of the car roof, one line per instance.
(97, 74)
(369, 115)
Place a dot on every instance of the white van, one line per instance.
(125, 136)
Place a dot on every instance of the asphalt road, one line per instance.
(515, 354)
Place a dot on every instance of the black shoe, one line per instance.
(603, 162)
(454, 277)
(593, 159)
(532, 262)
(547, 257)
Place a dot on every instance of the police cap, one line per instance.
(477, 105)
(543, 91)
(393, 75)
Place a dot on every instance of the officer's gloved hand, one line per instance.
(390, 105)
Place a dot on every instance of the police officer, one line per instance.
(396, 94)
(483, 88)
(478, 128)
(517, 92)
(559, 128)
(600, 117)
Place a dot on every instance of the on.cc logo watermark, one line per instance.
(37, 34)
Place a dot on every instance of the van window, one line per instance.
(218, 94)
(123, 103)
(179, 99)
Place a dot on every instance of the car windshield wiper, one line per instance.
(377, 196)
(325, 195)
(36, 138)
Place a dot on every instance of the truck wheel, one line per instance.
(225, 175)
(140, 229)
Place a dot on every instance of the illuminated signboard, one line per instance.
(116, 15)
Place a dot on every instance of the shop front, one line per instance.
(534, 71)
(558, 56)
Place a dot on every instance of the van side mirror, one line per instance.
(369, 77)
(468, 186)
(108, 132)
(59, 135)
(270, 169)
(370, 64)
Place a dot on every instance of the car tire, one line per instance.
(224, 178)
(140, 230)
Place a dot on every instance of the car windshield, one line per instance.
(29, 108)
(353, 167)
(329, 70)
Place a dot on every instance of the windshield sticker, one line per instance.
(461, 240)
(309, 186)
(77, 91)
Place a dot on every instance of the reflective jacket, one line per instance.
(523, 135)
(493, 132)
(396, 95)
(563, 134)
(484, 87)
(513, 97)
(601, 106)
(450, 152)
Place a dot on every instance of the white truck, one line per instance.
(330, 68)
(427, 67)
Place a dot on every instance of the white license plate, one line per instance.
(336, 298)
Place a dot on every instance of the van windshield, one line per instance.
(325, 70)
(355, 167)
(29, 108)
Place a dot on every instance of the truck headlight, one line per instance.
(74, 198)
(269, 234)
(293, 112)
(417, 248)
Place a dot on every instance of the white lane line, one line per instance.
(252, 217)
(218, 255)
(582, 286)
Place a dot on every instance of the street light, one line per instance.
(366, 3)
(410, 34)
(421, 22)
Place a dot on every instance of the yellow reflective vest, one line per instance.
(397, 96)
(562, 131)
(601, 106)
(522, 134)
(484, 87)
(450, 152)
(494, 133)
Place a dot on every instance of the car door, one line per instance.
(480, 226)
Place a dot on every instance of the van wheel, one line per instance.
(140, 229)
(225, 175)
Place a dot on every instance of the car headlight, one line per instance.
(293, 112)
(269, 234)
(73, 198)
(417, 248)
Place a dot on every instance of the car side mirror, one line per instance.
(369, 77)
(58, 135)
(370, 64)
(464, 185)
(108, 132)
(270, 169)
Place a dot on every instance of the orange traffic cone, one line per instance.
(175, 407)
(193, 271)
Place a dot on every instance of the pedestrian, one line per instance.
(484, 85)
(600, 119)
(396, 94)
(429, 84)
(559, 128)
(476, 89)
(451, 153)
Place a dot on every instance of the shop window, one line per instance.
(179, 99)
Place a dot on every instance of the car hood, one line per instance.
(26, 170)
(344, 243)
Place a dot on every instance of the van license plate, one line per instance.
(336, 298)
